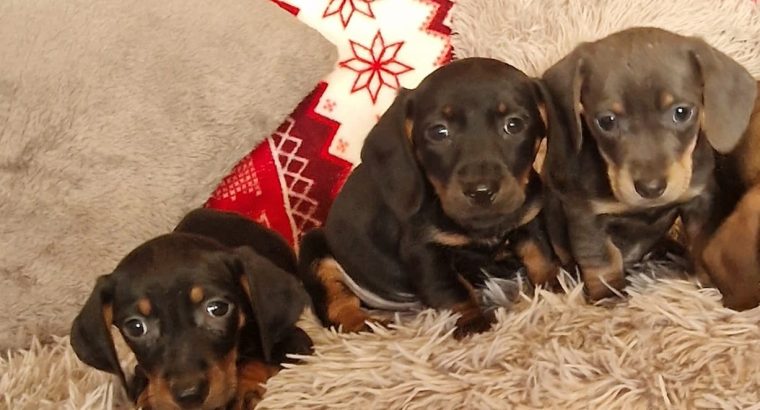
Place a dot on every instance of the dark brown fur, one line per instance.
(162, 297)
(446, 178)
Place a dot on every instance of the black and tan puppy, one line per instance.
(445, 186)
(209, 311)
(640, 114)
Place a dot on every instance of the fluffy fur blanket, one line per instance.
(118, 117)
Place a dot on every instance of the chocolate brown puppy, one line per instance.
(640, 115)
(445, 187)
(732, 255)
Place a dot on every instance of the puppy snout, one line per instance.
(482, 194)
(480, 181)
(650, 188)
(190, 391)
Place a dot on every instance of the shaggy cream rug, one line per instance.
(667, 344)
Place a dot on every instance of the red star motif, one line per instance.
(376, 66)
(346, 9)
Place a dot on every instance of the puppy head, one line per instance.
(644, 97)
(185, 306)
(471, 131)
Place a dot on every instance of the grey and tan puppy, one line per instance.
(640, 114)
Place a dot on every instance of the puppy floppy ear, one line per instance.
(728, 96)
(546, 106)
(564, 81)
(91, 330)
(387, 154)
(277, 298)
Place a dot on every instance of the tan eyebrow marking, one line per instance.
(196, 294)
(666, 99)
(617, 108)
(502, 108)
(144, 307)
(448, 111)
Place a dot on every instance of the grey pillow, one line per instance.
(116, 118)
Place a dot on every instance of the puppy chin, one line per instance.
(479, 219)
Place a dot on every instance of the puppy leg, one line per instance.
(293, 341)
(440, 287)
(333, 303)
(343, 307)
(600, 261)
(473, 319)
(602, 271)
(699, 223)
(732, 255)
(556, 228)
(251, 375)
(533, 248)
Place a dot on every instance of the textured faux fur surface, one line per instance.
(533, 34)
(115, 119)
(669, 344)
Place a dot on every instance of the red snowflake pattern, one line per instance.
(346, 9)
(376, 66)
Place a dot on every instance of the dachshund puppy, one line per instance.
(639, 116)
(209, 311)
(446, 186)
(732, 256)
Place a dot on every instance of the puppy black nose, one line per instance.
(482, 194)
(188, 394)
(651, 188)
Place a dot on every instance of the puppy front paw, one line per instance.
(296, 341)
(357, 320)
(603, 277)
(472, 322)
(732, 256)
(732, 267)
(541, 268)
(251, 375)
(603, 282)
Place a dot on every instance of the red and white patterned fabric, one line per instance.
(290, 180)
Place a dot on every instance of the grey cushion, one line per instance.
(116, 117)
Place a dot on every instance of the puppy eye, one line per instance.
(218, 307)
(437, 132)
(607, 122)
(514, 125)
(682, 114)
(135, 327)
